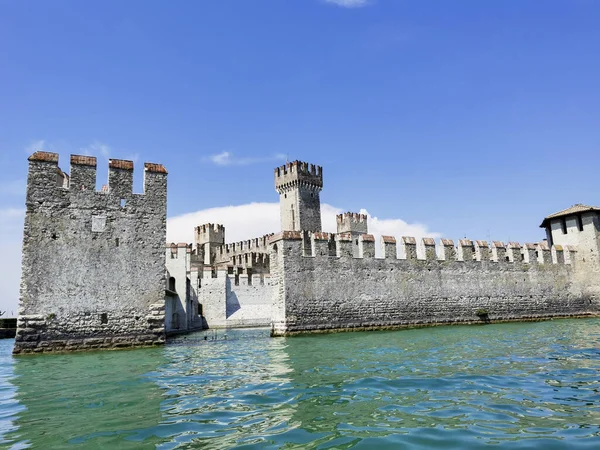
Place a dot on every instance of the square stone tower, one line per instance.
(210, 238)
(579, 227)
(93, 261)
(299, 185)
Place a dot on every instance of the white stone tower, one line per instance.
(299, 185)
(579, 227)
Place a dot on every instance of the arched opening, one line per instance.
(172, 284)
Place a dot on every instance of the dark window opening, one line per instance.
(54, 236)
(117, 242)
(312, 195)
(284, 195)
(249, 272)
(103, 318)
(579, 223)
(563, 225)
(237, 279)
(522, 256)
(199, 309)
(507, 259)
(213, 273)
(172, 284)
(230, 270)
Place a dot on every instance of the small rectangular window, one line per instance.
(563, 225)
(579, 223)
(103, 318)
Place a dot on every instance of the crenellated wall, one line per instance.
(93, 261)
(326, 288)
(236, 300)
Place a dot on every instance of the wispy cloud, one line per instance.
(36, 146)
(229, 159)
(349, 3)
(98, 148)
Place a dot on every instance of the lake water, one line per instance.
(518, 386)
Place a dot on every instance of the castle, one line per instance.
(97, 273)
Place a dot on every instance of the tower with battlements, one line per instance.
(209, 239)
(93, 270)
(299, 186)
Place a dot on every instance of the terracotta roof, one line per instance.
(367, 238)
(83, 160)
(44, 156)
(120, 164)
(409, 240)
(575, 209)
(389, 239)
(447, 242)
(156, 168)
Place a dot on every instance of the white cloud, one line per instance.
(349, 3)
(228, 159)
(252, 220)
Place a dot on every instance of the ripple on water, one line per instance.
(521, 386)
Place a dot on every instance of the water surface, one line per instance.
(520, 386)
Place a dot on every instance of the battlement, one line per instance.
(213, 233)
(339, 245)
(178, 251)
(350, 222)
(297, 173)
(44, 183)
(256, 245)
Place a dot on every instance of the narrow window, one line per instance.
(579, 223)
(117, 242)
(563, 225)
(249, 272)
(172, 284)
(230, 270)
(199, 309)
(237, 280)
(103, 318)
(123, 202)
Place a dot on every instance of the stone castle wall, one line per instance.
(322, 287)
(93, 262)
(230, 300)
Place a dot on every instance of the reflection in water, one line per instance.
(517, 385)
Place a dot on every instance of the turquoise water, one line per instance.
(519, 386)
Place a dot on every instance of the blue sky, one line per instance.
(473, 118)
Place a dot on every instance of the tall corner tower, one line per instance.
(299, 186)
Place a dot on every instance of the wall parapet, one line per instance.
(467, 251)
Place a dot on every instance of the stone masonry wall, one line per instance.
(93, 262)
(322, 292)
(229, 305)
